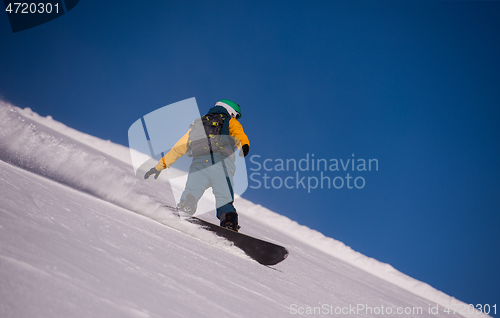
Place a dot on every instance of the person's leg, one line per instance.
(221, 177)
(198, 181)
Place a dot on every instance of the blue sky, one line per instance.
(412, 84)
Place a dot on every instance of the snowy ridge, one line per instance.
(340, 250)
(106, 146)
(57, 152)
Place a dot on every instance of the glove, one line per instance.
(152, 171)
(244, 150)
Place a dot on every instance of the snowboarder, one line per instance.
(211, 141)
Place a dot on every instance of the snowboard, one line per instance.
(265, 253)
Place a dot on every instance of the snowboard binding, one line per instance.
(188, 206)
(229, 221)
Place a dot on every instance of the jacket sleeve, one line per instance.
(178, 150)
(236, 130)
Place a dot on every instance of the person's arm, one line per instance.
(180, 149)
(236, 130)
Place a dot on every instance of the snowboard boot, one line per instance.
(187, 207)
(229, 221)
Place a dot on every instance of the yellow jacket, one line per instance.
(181, 147)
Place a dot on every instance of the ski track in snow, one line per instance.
(71, 245)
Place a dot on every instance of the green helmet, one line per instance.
(226, 103)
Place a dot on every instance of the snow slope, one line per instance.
(81, 236)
